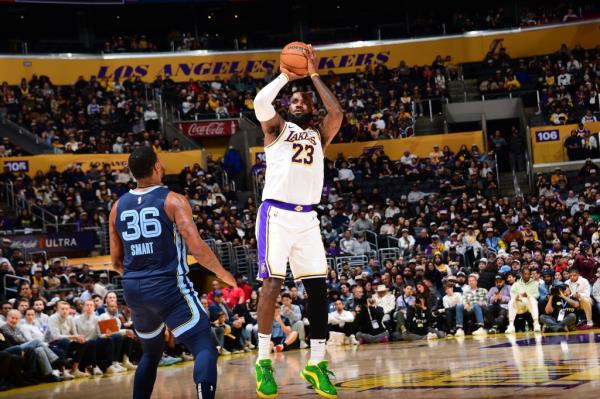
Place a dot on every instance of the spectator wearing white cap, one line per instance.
(386, 300)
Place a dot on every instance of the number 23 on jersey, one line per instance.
(303, 154)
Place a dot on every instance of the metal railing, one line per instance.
(392, 242)
(12, 288)
(353, 261)
(386, 254)
(32, 255)
(529, 97)
(529, 170)
(371, 238)
(225, 180)
(9, 196)
(431, 107)
(243, 260)
(226, 255)
(24, 132)
(497, 172)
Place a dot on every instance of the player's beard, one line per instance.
(301, 120)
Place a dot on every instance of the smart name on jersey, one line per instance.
(143, 248)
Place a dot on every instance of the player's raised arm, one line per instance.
(116, 246)
(335, 114)
(271, 122)
(178, 208)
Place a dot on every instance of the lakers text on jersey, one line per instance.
(294, 166)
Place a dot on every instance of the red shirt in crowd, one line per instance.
(586, 265)
(232, 296)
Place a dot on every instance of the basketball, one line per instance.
(293, 58)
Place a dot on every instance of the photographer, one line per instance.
(560, 310)
(370, 323)
(419, 322)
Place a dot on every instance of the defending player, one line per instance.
(148, 228)
(287, 227)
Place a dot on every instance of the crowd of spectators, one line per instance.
(549, 15)
(568, 81)
(468, 260)
(127, 44)
(380, 102)
(91, 116)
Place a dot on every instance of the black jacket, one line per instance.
(365, 317)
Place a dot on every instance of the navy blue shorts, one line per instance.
(157, 301)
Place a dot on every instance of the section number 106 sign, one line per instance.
(547, 135)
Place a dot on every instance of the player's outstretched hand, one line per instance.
(291, 75)
(228, 279)
(311, 56)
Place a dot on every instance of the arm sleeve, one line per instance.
(263, 102)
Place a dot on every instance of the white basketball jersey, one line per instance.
(294, 166)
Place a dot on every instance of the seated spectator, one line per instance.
(64, 340)
(419, 322)
(46, 359)
(341, 321)
(293, 314)
(580, 290)
(474, 304)
(496, 311)
(14, 369)
(370, 324)
(451, 301)
(348, 244)
(524, 295)
(231, 343)
(386, 301)
(282, 336)
(100, 346)
(122, 347)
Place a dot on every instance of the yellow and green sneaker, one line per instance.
(318, 377)
(266, 387)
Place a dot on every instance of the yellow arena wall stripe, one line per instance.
(64, 69)
(172, 161)
(547, 142)
(420, 145)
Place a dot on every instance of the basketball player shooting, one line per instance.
(287, 227)
(149, 228)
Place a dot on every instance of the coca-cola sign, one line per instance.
(211, 128)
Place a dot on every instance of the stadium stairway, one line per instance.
(20, 136)
(458, 88)
(507, 186)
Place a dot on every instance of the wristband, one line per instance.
(285, 75)
(312, 75)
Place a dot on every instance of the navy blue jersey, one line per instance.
(152, 245)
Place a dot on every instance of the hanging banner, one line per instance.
(548, 142)
(172, 161)
(64, 69)
(210, 128)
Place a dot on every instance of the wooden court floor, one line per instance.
(525, 366)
